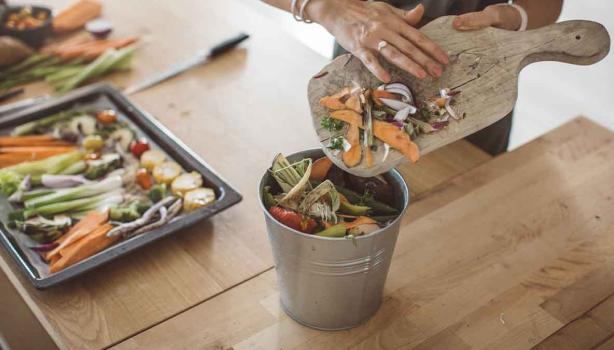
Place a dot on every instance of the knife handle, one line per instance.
(227, 45)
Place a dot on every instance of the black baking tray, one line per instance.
(105, 96)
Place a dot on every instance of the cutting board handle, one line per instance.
(576, 42)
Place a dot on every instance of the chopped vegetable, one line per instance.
(63, 181)
(44, 230)
(93, 143)
(101, 201)
(267, 197)
(100, 167)
(89, 245)
(31, 140)
(128, 213)
(151, 158)
(144, 179)
(67, 194)
(99, 28)
(158, 192)
(123, 137)
(107, 116)
(40, 125)
(352, 157)
(138, 147)
(168, 171)
(90, 222)
(397, 139)
(293, 219)
(337, 231)
(198, 198)
(185, 183)
(83, 124)
(75, 16)
(320, 168)
(352, 209)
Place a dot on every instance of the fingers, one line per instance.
(473, 21)
(368, 58)
(413, 16)
(393, 55)
(424, 43)
(411, 51)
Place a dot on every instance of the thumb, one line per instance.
(413, 16)
(472, 21)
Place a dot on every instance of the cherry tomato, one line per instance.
(139, 147)
(144, 179)
(107, 116)
(293, 219)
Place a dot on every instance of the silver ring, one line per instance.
(382, 44)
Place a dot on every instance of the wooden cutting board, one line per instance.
(484, 67)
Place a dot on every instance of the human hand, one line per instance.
(498, 16)
(360, 27)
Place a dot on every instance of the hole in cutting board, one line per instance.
(578, 37)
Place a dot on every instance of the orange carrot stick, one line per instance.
(89, 245)
(89, 223)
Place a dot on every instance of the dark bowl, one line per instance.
(35, 37)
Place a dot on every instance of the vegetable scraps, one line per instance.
(362, 119)
(308, 196)
(86, 181)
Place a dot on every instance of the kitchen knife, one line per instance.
(201, 57)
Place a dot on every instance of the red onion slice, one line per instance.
(45, 247)
(398, 105)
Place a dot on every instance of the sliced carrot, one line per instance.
(352, 157)
(33, 140)
(332, 103)
(89, 245)
(38, 149)
(93, 52)
(89, 223)
(9, 159)
(347, 116)
(361, 220)
(75, 16)
(353, 103)
(396, 138)
(320, 168)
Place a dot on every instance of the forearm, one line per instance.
(541, 12)
(280, 4)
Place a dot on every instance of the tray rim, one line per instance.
(165, 139)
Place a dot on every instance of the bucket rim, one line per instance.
(393, 172)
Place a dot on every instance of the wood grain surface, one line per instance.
(514, 254)
(484, 66)
(236, 113)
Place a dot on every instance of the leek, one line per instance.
(83, 191)
(104, 199)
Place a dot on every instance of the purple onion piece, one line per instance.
(45, 247)
(99, 28)
(439, 125)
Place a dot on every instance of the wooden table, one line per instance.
(503, 253)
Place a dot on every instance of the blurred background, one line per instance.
(550, 93)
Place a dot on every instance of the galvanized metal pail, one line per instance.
(332, 283)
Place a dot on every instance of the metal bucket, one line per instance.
(331, 283)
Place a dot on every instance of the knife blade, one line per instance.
(200, 58)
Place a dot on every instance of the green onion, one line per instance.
(67, 194)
